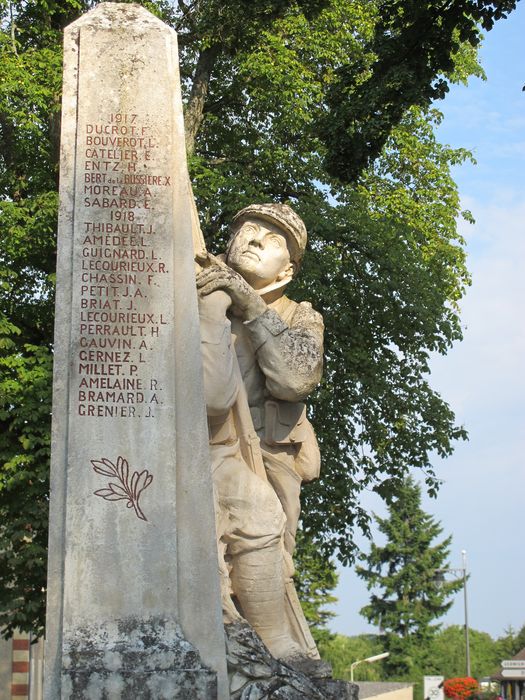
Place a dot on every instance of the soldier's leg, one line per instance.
(253, 537)
(279, 464)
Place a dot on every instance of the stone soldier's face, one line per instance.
(259, 252)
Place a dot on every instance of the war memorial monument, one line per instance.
(180, 437)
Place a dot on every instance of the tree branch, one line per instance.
(199, 91)
(13, 28)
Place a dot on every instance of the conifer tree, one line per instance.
(405, 600)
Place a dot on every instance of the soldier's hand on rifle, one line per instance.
(213, 306)
(246, 303)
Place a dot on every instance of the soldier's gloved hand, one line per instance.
(214, 305)
(246, 303)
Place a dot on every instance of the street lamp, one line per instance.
(370, 660)
(462, 575)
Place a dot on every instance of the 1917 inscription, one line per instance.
(120, 268)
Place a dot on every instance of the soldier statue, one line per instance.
(262, 356)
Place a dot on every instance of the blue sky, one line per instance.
(482, 500)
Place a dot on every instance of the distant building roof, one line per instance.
(369, 689)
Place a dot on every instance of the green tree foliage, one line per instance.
(511, 643)
(315, 582)
(341, 651)
(414, 44)
(24, 407)
(405, 600)
(446, 655)
(29, 101)
(449, 656)
(267, 87)
(519, 641)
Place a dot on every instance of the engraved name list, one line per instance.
(121, 271)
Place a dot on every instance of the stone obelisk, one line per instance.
(133, 594)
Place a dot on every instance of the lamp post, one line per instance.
(462, 575)
(467, 644)
(369, 660)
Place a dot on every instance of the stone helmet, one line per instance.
(282, 216)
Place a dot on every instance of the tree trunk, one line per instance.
(195, 110)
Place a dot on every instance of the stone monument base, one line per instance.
(333, 689)
(134, 658)
(256, 675)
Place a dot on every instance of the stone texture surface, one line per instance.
(132, 522)
(135, 659)
(338, 690)
(256, 675)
